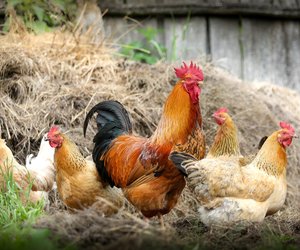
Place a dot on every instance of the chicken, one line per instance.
(226, 139)
(78, 182)
(24, 178)
(42, 165)
(226, 142)
(230, 193)
(140, 166)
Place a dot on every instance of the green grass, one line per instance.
(17, 218)
(13, 211)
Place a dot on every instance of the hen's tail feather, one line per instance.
(179, 158)
(112, 121)
(262, 141)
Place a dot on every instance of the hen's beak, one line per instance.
(214, 116)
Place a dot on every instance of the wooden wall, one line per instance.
(256, 40)
(261, 43)
(274, 8)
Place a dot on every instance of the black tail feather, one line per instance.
(178, 158)
(109, 111)
(262, 141)
(112, 121)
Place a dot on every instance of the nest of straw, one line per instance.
(57, 78)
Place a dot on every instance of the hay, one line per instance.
(58, 81)
(88, 229)
(57, 78)
(278, 231)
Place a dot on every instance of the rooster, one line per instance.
(140, 166)
(230, 193)
(42, 165)
(78, 183)
(25, 178)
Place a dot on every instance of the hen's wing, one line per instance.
(42, 181)
(245, 160)
(212, 178)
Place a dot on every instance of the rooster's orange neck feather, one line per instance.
(178, 119)
(272, 156)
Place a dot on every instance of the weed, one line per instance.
(275, 240)
(39, 15)
(146, 51)
(13, 209)
(179, 38)
(17, 216)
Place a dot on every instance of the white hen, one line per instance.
(39, 182)
(43, 164)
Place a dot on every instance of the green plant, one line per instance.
(148, 50)
(276, 240)
(18, 215)
(40, 15)
(28, 238)
(173, 56)
(13, 209)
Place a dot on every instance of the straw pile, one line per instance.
(57, 78)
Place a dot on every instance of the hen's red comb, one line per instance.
(192, 71)
(53, 130)
(289, 127)
(221, 110)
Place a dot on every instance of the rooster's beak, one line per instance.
(296, 136)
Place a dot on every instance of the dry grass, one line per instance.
(57, 78)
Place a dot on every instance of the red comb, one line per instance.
(192, 71)
(221, 110)
(289, 127)
(53, 129)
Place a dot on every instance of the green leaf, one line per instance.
(159, 48)
(60, 4)
(39, 12)
(12, 3)
(39, 27)
(149, 33)
(149, 51)
(6, 25)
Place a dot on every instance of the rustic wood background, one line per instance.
(255, 41)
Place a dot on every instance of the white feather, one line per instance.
(43, 164)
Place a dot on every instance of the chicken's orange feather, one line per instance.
(178, 118)
(122, 157)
